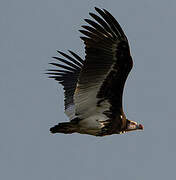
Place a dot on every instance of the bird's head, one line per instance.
(132, 125)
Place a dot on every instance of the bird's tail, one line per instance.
(65, 127)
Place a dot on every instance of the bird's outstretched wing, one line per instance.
(67, 76)
(94, 87)
(107, 64)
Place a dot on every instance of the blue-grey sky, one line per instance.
(30, 33)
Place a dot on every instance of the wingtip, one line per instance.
(86, 20)
(70, 51)
(60, 52)
(97, 9)
(91, 13)
(107, 12)
(51, 77)
(46, 73)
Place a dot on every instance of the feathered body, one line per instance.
(94, 86)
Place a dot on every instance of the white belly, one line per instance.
(93, 122)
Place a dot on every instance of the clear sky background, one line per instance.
(30, 33)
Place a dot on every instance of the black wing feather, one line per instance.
(101, 77)
(107, 63)
(68, 75)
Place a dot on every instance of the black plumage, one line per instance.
(67, 77)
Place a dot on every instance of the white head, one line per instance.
(132, 126)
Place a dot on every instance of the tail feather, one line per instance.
(65, 127)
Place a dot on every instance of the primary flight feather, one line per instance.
(94, 87)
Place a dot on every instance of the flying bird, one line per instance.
(93, 87)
